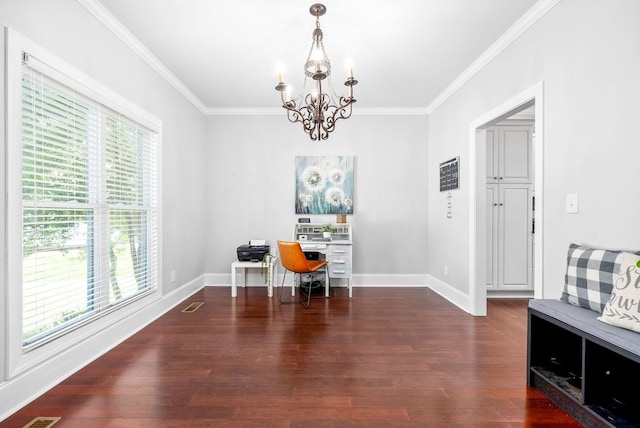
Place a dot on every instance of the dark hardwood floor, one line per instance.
(385, 358)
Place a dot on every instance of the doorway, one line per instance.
(531, 98)
(510, 196)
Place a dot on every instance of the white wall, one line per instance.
(250, 171)
(68, 31)
(586, 54)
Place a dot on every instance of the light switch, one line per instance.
(572, 203)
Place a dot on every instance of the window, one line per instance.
(89, 203)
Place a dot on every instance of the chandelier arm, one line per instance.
(293, 114)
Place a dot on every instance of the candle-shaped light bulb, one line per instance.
(349, 66)
(280, 78)
(318, 57)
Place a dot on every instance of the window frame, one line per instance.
(17, 357)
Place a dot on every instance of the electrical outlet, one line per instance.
(173, 276)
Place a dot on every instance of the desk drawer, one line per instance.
(341, 251)
(339, 271)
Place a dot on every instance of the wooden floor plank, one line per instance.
(400, 357)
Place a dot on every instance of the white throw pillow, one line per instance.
(623, 307)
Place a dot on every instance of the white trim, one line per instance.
(515, 31)
(359, 280)
(521, 25)
(13, 203)
(538, 159)
(17, 43)
(390, 280)
(21, 390)
(452, 294)
(278, 111)
(15, 360)
(477, 288)
(121, 32)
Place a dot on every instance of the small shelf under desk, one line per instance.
(337, 250)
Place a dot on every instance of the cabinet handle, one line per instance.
(495, 205)
(495, 178)
(501, 204)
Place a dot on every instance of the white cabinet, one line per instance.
(509, 209)
(509, 154)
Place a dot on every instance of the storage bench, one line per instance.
(588, 368)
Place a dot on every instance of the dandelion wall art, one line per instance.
(324, 184)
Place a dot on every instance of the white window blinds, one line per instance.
(89, 206)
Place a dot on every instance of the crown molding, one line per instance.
(120, 31)
(116, 27)
(516, 30)
(392, 111)
(277, 111)
(243, 111)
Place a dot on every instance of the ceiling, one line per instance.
(226, 54)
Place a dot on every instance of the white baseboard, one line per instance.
(513, 294)
(447, 291)
(383, 280)
(25, 387)
(359, 280)
(450, 293)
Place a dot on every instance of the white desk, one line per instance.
(337, 250)
(338, 254)
(271, 275)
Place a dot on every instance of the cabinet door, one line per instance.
(514, 237)
(492, 237)
(514, 154)
(492, 154)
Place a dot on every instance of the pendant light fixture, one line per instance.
(317, 107)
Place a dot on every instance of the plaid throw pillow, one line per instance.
(589, 279)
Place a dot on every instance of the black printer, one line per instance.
(252, 253)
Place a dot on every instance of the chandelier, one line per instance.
(317, 107)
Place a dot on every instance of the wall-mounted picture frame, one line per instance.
(450, 174)
(324, 184)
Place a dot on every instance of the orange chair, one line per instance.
(293, 259)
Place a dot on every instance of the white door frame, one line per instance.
(477, 193)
